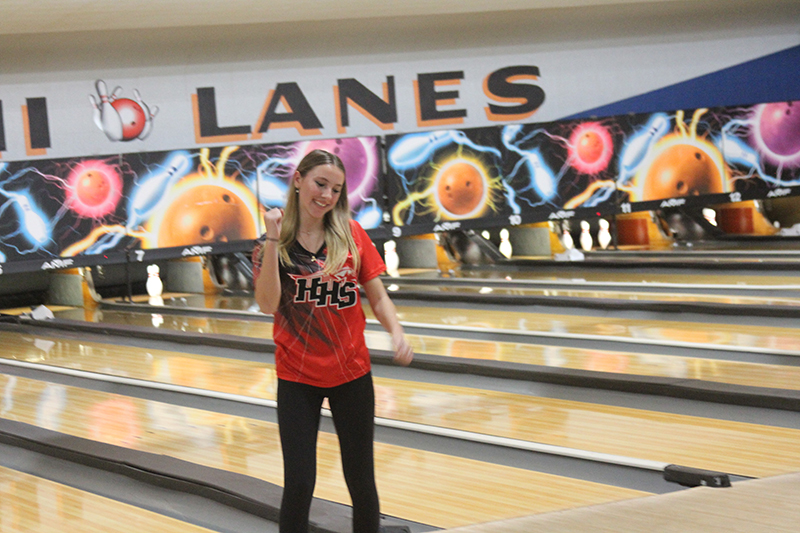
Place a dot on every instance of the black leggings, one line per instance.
(353, 408)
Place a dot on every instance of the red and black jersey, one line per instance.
(319, 325)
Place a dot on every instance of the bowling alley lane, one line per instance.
(30, 503)
(657, 436)
(421, 486)
(407, 290)
(742, 337)
(765, 339)
(450, 345)
(643, 275)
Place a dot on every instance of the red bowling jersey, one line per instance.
(319, 325)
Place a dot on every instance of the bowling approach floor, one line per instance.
(507, 412)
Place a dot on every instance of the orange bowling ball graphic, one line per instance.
(682, 170)
(590, 146)
(92, 188)
(460, 188)
(206, 214)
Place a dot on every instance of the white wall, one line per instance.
(587, 57)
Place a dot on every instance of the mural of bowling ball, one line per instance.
(682, 170)
(92, 187)
(460, 190)
(132, 116)
(590, 146)
(360, 159)
(206, 214)
(779, 128)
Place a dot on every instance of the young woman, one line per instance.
(307, 269)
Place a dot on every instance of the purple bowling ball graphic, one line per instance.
(778, 126)
(360, 159)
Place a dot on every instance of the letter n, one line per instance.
(350, 92)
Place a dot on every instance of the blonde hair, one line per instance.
(338, 237)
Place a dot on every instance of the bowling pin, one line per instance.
(638, 147)
(154, 285)
(603, 235)
(226, 275)
(153, 188)
(149, 115)
(241, 280)
(542, 179)
(96, 113)
(710, 215)
(34, 223)
(505, 244)
(392, 259)
(414, 149)
(586, 237)
(566, 238)
(109, 117)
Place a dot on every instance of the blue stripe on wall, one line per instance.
(772, 78)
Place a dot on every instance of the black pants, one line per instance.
(353, 409)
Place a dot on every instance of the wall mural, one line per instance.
(81, 211)
(70, 212)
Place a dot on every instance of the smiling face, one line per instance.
(319, 190)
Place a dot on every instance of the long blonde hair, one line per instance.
(338, 237)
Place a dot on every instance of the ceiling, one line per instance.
(41, 36)
(47, 16)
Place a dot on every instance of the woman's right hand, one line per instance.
(272, 222)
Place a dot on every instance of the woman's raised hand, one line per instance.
(272, 222)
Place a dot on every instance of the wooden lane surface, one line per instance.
(599, 294)
(782, 339)
(785, 340)
(627, 275)
(244, 303)
(733, 447)
(640, 364)
(30, 503)
(431, 488)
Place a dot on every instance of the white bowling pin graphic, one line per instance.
(586, 237)
(639, 146)
(505, 244)
(603, 235)
(96, 116)
(392, 259)
(154, 187)
(109, 117)
(414, 149)
(149, 115)
(34, 223)
(154, 285)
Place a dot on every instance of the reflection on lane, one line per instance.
(636, 433)
(426, 487)
(29, 503)
(642, 364)
(570, 272)
(403, 291)
(734, 335)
